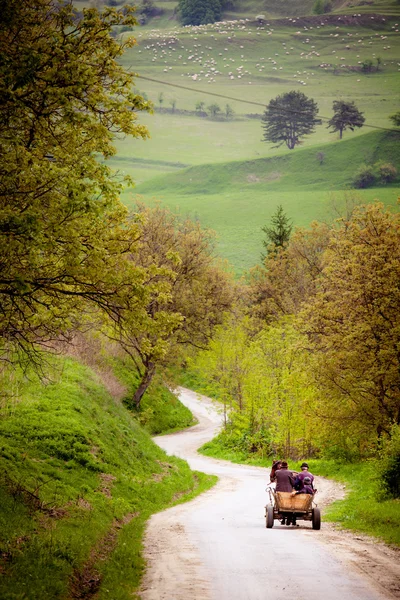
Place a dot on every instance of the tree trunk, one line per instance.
(150, 369)
(340, 133)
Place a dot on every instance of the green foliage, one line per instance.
(278, 234)
(395, 119)
(214, 109)
(289, 117)
(61, 103)
(77, 468)
(367, 66)
(199, 12)
(364, 176)
(260, 379)
(346, 116)
(387, 172)
(160, 410)
(322, 6)
(363, 509)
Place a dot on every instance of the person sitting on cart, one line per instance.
(299, 481)
(276, 465)
(306, 489)
(284, 478)
(284, 483)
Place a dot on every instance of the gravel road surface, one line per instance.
(217, 547)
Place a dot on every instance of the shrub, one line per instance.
(391, 476)
(387, 172)
(364, 177)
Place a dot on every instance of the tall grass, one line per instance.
(79, 478)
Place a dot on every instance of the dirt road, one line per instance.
(217, 547)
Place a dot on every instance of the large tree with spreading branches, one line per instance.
(63, 96)
(288, 118)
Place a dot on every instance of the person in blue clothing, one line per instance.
(306, 489)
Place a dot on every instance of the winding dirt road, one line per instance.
(216, 547)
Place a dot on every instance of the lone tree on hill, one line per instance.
(346, 116)
(199, 12)
(395, 119)
(278, 234)
(289, 117)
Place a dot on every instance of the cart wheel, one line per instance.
(270, 517)
(316, 518)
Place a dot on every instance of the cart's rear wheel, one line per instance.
(270, 517)
(316, 518)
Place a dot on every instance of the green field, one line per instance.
(218, 170)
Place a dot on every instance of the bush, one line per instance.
(387, 172)
(364, 177)
(391, 476)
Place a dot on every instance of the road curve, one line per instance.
(217, 547)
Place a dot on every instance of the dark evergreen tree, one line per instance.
(278, 234)
(346, 116)
(199, 12)
(289, 117)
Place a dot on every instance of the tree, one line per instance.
(288, 278)
(199, 12)
(353, 325)
(173, 104)
(367, 66)
(63, 96)
(200, 106)
(278, 234)
(346, 116)
(214, 109)
(395, 119)
(183, 293)
(229, 112)
(160, 99)
(289, 117)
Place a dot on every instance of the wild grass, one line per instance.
(79, 478)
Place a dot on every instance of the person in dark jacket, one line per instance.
(306, 489)
(299, 481)
(284, 479)
(284, 483)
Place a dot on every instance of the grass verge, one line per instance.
(365, 509)
(79, 478)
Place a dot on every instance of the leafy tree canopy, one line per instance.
(199, 12)
(183, 293)
(289, 117)
(63, 95)
(346, 116)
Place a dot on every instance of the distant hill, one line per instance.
(237, 198)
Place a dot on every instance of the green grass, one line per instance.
(79, 478)
(236, 180)
(365, 509)
(160, 410)
(237, 198)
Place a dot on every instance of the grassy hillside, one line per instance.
(238, 198)
(245, 65)
(79, 478)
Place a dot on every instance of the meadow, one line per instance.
(219, 170)
(79, 478)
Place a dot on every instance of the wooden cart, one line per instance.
(300, 507)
